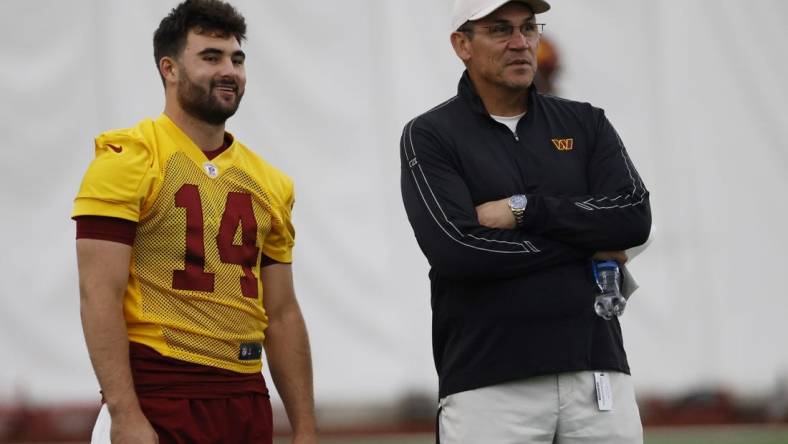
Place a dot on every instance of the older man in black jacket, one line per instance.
(511, 193)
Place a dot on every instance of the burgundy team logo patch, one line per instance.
(564, 144)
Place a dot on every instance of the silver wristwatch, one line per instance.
(517, 204)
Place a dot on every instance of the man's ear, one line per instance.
(461, 42)
(168, 69)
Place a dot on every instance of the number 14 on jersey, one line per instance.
(238, 210)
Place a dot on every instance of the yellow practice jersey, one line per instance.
(194, 290)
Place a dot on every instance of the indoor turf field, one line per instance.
(654, 435)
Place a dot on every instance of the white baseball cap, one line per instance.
(465, 10)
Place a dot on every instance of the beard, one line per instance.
(201, 103)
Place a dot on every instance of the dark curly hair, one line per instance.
(203, 15)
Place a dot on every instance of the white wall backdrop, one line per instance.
(696, 88)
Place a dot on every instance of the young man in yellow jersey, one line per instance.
(184, 245)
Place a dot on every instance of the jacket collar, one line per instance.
(467, 91)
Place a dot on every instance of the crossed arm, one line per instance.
(462, 240)
(497, 214)
(614, 215)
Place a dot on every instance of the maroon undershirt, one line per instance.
(156, 375)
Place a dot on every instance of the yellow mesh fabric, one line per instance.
(136, 175)
(200, 327)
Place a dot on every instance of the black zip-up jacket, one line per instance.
(508, 304)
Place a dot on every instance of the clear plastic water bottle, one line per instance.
(609, 302)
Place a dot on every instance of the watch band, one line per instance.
(519, 216)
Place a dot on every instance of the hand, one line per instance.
(496, 214)
(132, 428)
(618, 256)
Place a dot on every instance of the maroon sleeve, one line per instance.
(106, 228)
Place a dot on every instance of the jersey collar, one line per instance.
(223, 160)
(182, 140)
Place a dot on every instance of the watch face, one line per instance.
(518, 201)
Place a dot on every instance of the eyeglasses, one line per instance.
(504, 30)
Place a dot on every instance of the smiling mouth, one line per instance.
(227, 88)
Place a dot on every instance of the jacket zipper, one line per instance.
(514, 133)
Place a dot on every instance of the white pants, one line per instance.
(553, 409)
(101, 428)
